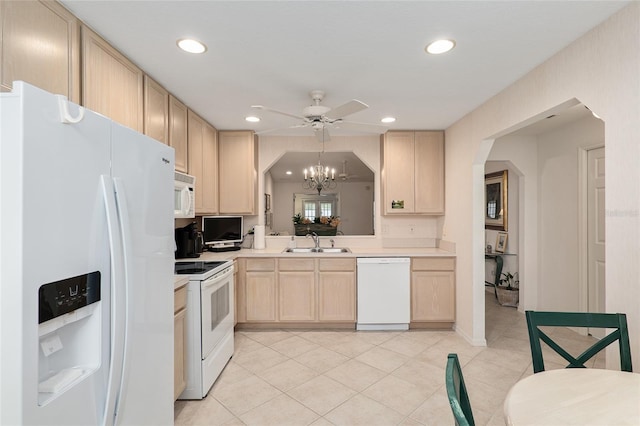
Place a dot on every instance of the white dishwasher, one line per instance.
(383, 293)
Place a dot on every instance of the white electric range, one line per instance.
(210, 312)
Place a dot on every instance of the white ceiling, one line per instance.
(274, 52)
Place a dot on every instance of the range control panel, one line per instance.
(61, 297)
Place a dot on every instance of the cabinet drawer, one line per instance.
(432, 264)
(256, 264)
(296, 264)
(337, 265)
(180, 299)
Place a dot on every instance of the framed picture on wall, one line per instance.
(501, 242)
(495, 201)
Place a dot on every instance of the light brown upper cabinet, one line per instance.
(40, 44)
(178, 132)
(111, 84)
(203, 163)
(413, 173)
(156, 111)
(237, 161)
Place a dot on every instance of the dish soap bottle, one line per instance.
(292, 242)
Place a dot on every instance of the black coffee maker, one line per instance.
(187, 239)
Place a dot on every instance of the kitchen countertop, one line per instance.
(355, 252)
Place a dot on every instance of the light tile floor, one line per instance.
(281, 377)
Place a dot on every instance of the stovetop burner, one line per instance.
(195, 267)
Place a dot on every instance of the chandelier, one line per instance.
(319, 177)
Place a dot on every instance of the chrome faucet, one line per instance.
(316, 239)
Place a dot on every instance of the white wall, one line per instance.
(558, 211)
(602, 70)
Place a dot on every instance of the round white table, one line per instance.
(575, 396)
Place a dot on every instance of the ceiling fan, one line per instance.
(319, 117)
(344, 175)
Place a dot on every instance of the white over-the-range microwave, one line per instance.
(184, 199)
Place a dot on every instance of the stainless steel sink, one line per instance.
(317, 250)
(335, 250)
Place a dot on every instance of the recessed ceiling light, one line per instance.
(252, 119)
(192, 46)
(440, 46)
(388, 119)
(288, 172)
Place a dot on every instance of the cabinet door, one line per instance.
(429, 172)
(111, 84)
(237, 162)
(179, 359)
(432, 296)
(337, 296)
(261, 296)
(398, 173)
(209, 170)
(178, 132)
(195, 136)
(40, 44)
(297, 295)
(203, 163)
(156, 111)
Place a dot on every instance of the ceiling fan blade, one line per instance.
(349, 108)
(264, 108)
(363, 127)
(281, 128)
(322, 134)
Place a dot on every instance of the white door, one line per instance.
(596, 234)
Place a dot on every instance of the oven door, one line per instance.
(217, 309)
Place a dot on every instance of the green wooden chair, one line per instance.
(617, 322)
(457, 392)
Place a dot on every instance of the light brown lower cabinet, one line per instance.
(179, 341)
(336, 290)
(297, 289)
(433, 295)
(260, 290)
(289, 291)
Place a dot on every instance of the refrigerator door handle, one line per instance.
(118, 300)
(127, 302)
(65, 115)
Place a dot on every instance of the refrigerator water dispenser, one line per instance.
(70, 333)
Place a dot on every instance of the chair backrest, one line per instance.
(457, 392)
(617, 322)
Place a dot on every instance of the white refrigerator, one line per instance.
(86, 267)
